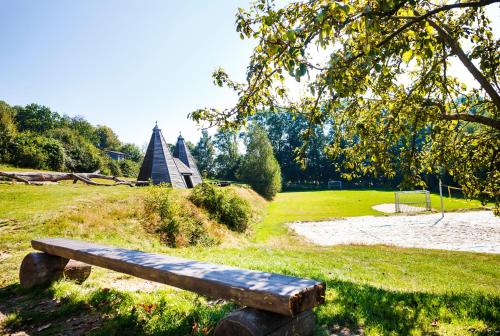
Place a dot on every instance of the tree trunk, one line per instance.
(37, 178)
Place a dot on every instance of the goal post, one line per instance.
(412, 201)
(335, 185)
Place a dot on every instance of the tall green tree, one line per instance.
(381, 71)
(107, 139)
(259, 167)
(228, 156)
(204, 154)
(8, 131)
(82, 127)
(133, 152)
(36, 118)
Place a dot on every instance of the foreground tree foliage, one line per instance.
(381, 71)
(259, 167)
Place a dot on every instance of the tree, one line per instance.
(285, 131)
(36, 118)
(132, 152)
(204, 154)
(228, 157)
(385, 82)
(259, 167)
(8, 131)
(83, 127)
(107, 139)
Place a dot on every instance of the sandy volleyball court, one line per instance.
(475, 231)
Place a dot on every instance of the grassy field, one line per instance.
(378, 290)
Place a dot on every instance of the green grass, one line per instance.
(11, 168)
(381, 290)
(322, 205)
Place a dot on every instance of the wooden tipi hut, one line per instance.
(161, 166)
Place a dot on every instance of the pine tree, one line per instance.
(204, 154)
(260, 168)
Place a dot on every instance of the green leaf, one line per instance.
(407, 56)
(302, 69)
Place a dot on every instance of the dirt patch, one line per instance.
(136, 285)
(474, 231)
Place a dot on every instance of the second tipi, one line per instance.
(160, 166)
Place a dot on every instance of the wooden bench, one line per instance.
(274, 302)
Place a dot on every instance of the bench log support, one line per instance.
(254, 322)
(42, 268)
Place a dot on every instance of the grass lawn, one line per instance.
(327, 204)
(377, 289)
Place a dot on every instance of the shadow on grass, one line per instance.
(106, 312)
(402, 313)
(349, 305)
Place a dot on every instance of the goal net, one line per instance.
(412, 201)
(335, 185)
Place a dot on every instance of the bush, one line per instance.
(177, 223)
(35, 151)
(82, 156)
(111, 167)
(223, 204)
(129, 168)
(56, 157)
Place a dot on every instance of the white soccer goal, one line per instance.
(412, 201)
(335, 185)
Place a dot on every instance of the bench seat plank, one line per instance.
(277, 293)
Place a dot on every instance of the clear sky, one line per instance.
(121, 63)
(125, 63)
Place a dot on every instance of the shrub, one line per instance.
(56, 157)
(35, 151)
(82, 156)
(175, 221)
(129, 168)
(223, 204)
(111, 167)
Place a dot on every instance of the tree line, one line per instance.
(34, 136)
(219, 156)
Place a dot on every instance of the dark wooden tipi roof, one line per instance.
(182, 153)
(158, 164)
(161, 166)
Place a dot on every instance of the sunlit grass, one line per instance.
(382, 290)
